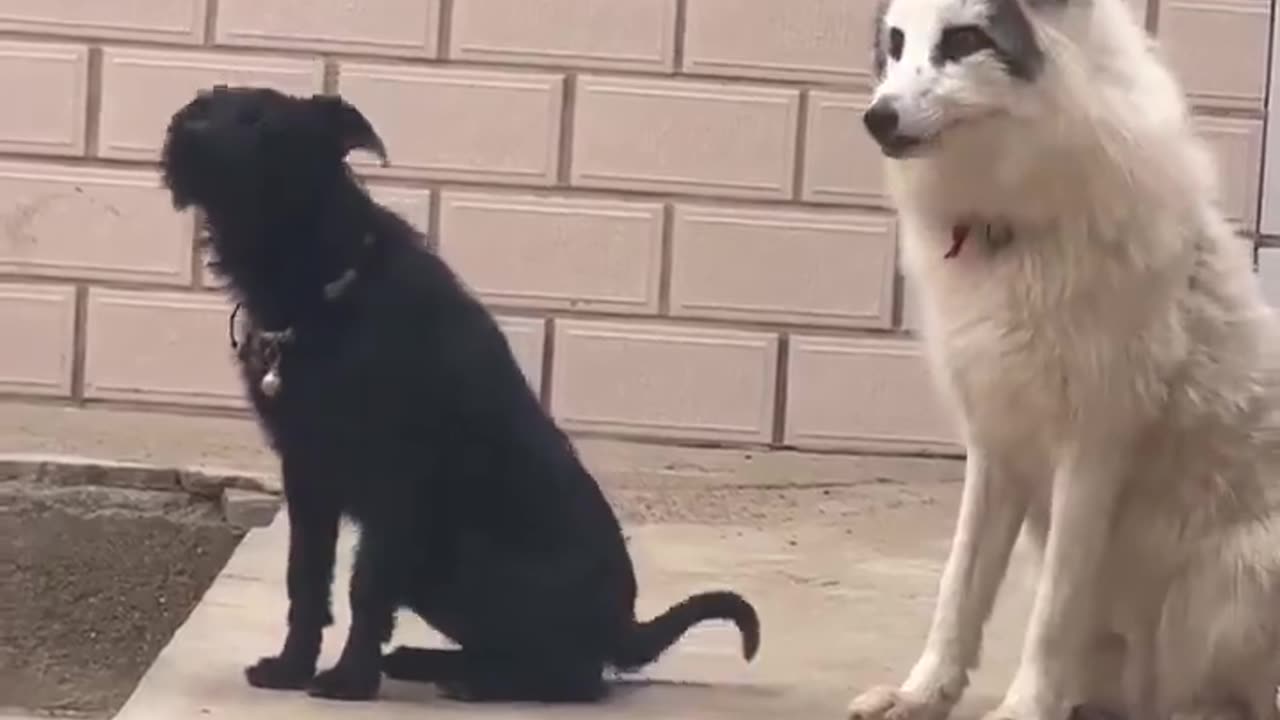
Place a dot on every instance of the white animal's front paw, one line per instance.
(890, 703)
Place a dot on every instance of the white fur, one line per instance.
(1114, 367)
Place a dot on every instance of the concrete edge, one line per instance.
(247, 500)
(211, 456)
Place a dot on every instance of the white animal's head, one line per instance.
(947, 66)
(1019, 108)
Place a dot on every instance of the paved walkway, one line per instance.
(841, 556)
(841, 607)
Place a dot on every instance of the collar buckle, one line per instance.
(264, 348)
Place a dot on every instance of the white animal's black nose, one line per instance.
(881, 120)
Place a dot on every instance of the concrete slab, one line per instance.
(843, 605)
(840, 553)
(133, 436)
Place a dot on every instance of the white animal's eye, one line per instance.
(961, 41)
(896, 42)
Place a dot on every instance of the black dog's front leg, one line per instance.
(358, 672)
(313, 535)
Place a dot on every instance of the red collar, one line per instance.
(959, 233)
(996, 237)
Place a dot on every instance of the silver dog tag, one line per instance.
(270, 383)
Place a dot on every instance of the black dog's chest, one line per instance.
(269, 395)
(309, 403)
(329, 417)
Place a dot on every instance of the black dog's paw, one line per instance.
(339, 683)
(401, 664)
(280, 673)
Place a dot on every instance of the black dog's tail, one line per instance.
(645, 641)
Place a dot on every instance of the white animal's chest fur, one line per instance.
(1033, 364)
(1010, 341)
(1040, 352)
(1004, 360)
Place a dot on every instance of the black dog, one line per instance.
(393, 398)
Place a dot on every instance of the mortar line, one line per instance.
(548, 357)
(211, 10)
(79, 342)
(681, 28)
(93, 101)
(801, 145)
(666, 259)
(781, 386)
(444, 34)
(568, 108)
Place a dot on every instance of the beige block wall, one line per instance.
(670, 204)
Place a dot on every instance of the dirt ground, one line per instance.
(93, 583)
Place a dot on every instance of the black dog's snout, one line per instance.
(196, 115)
(881, 120)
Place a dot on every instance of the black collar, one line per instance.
(263, 348)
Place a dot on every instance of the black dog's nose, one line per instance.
(881, 120)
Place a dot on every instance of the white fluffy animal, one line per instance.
(1097, 326)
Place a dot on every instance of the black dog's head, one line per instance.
(268, 172)
(243, 150)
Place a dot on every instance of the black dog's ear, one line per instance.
(352, 130)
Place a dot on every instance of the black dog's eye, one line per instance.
(961, 41)
(896, 41)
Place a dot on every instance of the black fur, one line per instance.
(1015, 39)
(402, 408)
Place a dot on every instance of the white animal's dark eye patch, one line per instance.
(896, 43)
(959, 42)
